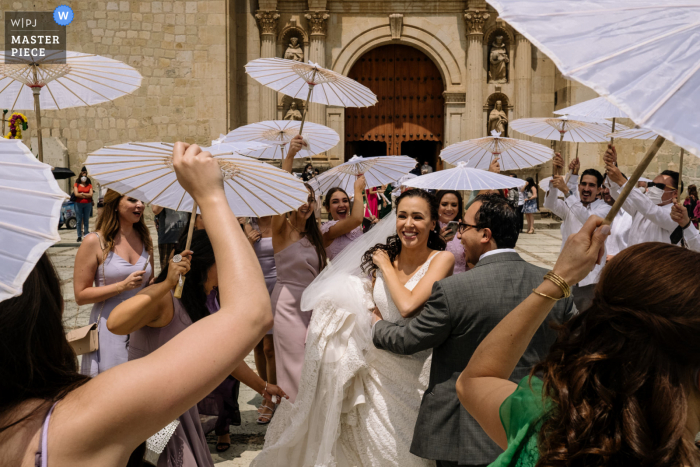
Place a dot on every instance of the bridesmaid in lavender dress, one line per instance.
(154, 317)
(345, 226)
(299, 257)
(114, 258)
(259, 232)
(450, 208)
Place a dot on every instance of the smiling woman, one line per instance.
(345, 224)
(112, 265)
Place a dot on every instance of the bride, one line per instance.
(357, 405)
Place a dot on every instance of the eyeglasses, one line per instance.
(663, 186)
(462, 227)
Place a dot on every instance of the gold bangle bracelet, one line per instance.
(545, 295)
(559, 282)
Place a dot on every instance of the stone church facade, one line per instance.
(444, 71)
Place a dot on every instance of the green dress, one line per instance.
(521, 414)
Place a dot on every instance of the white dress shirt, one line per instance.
(496, 251)
(574, 214)
(692, 238)
(650, 222)
(619, 233)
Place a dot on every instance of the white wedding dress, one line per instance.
(357, 405)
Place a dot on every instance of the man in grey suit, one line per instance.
(461, 311)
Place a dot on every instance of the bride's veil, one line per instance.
(332, 282)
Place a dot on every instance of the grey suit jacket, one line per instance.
(460, 313)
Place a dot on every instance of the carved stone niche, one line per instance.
(498, 109)
(292, 42)
(289, 111)
(499, 43)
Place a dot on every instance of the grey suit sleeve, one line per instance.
(427, 330)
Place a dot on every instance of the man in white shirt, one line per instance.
(574, 212)
(679, 214)
(651, 212)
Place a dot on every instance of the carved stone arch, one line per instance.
(293, 30)
(497, 96)
(496, 29)
(421, 39)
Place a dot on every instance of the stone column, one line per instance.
(523, 77)
(317, 54)
(267, 23)
(475, 20)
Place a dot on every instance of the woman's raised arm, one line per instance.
(105, 419)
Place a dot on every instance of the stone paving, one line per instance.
(541, 249)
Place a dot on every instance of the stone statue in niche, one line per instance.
(293, 113)
(498, 62)
(294, 50)
(498, 120)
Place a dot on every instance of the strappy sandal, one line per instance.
(265, 418)
(222, 447)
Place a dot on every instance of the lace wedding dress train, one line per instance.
(357, 405)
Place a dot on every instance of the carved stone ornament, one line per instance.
(267, 21)
(396, 25)
(317, 21)
(455, 97)
(475, 20)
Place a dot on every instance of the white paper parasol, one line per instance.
(310, 81)
(378, 171)
(83, 80)
(30, 209)
(565, 129)
(145, 172)
(514, 154)
(464, 178)
(278, 133)
(599, 107)
(634, 133)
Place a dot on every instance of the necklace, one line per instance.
(295, 227)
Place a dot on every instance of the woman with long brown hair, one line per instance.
(620, 387)
(112, 265)
(299, 257)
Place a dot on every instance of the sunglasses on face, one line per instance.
(462, 227)
(663, 186)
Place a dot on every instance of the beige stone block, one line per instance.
(82, 146)
(98, 32)
(144, 35)
(156, 7)
(190, 7)
(145, 7)
(167, 7)
(112, 6)
(130, 34)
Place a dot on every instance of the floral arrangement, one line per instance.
(18, 122)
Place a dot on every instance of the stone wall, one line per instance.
(181, 50)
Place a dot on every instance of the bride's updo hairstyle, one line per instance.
(393, 243)
(622, 372)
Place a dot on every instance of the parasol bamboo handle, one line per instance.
(193, 218)
(632, 181)
(680, 176)
(571, 172)
(306, 104)
(612, 138)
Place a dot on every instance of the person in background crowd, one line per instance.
(511, 195)
(259, 232)
(530, 205)
(459, 314)
(82, 192)
(345, 225)
(519, 208)
(154, 316)
(596, 398)
(575, 211)
(316, 173)
(170, 225)
(426, 168)
(651, 212)
(692, 203)
(308, 172)
(416, 170)
(451, 209)
(619, 229)
(52, 415)
(299, 257)
(112, 265)
(385, 204)
(371, 203)
(679, 214)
